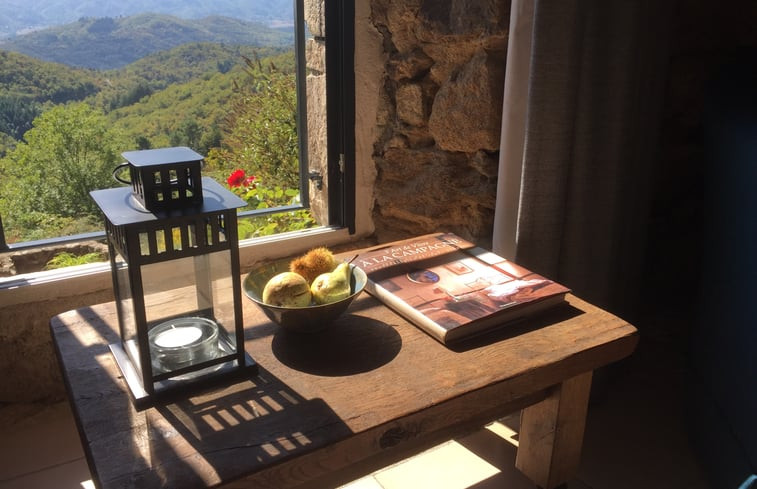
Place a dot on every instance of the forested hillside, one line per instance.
(236, 105)
(27, 83)
(193, 73)
(107, 43)
(126, 86)
(189, 113)
(220, 86)
(29, 78)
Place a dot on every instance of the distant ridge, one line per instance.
(108, 43)
(19, 16)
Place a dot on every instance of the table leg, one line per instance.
(551, 433)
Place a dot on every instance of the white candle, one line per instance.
(178, 337)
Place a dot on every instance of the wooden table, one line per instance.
(328, 409)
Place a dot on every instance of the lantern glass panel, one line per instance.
(125, 304)
(189, 309)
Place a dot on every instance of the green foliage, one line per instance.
(27, 83)
(183, 64)
(31, 79)
(223, 103)
(36, 225)
(67, 259)
(130, 95)
(183, 114)
(7, 143)
(201, 112)
(254, 227)
(16, 115)
(70, 151)
(261, 127)
(259, 197)
(261, 135)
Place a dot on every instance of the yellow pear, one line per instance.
(332, 286)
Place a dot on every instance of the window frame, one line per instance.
(340, 119)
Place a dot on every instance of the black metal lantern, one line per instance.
(176, 277)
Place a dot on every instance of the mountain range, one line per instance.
(107, 43)
(19, 16)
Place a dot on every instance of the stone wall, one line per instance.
(36, 259)
(439, 117)
(436, 146)
(27, 357)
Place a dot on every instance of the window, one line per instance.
(326, 174)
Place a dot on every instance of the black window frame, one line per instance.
(340, 119)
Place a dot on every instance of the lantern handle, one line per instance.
(117, 170)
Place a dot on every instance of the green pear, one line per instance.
(287, 289)
(332, 286)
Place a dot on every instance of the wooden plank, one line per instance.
(551, 433)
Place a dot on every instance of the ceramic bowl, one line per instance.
(307, 319)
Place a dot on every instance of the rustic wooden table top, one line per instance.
(331, 407)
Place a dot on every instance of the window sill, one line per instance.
(84, 279)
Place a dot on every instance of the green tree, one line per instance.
(188, 134)
(17, 114)
(143, 142)
(261, 129)
(133, 95)
(7, 143)
(259, 153)
(70, 151)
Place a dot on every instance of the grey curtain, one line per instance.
(583, 94)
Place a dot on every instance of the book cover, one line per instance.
(452, 288)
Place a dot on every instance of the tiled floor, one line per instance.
(635, 439)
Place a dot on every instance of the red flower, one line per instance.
(236, 178)
(249, 181)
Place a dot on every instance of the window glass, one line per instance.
(223, 78)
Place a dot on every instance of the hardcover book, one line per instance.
(452, 288)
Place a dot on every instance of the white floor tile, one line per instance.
(37, 436)
(365, 483)
(448, 466)
(73, 475)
